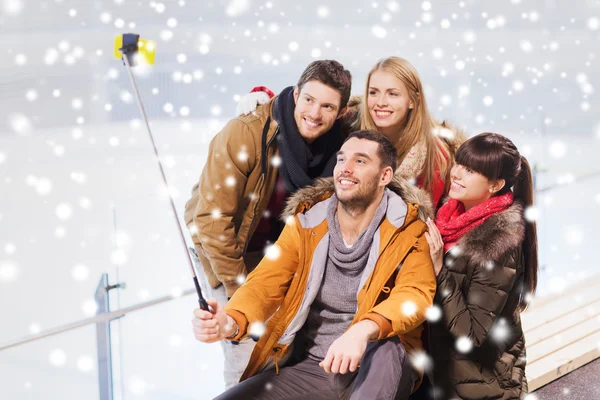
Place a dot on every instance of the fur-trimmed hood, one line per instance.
(323, 188)
(495, 237)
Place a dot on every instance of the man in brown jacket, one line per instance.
(348, 281)
(253, 164)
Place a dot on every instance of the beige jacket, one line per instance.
(233, 191)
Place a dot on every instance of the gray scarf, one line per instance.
(352, 260)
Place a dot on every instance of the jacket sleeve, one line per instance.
(219, 195)
(411, 296)
(473, 314)
(266, 287)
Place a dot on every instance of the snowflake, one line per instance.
(464, 344)
(85, 203)
(8, 271)
(216, 110)
(105, 17)
(275, 161)
(574, 235)
(78, 177)
(137, 385)
(118, 257)
(273, 252)
(240, 279)
(323, 12)
(64, 211)
(460, 65)
(409, 308)
(500, 331)
(530, 396)
(268, 386)
(257, 329)
(421, 361)
(433, 313)
(85, 363)
(315, 53)
(80, 272)
(35, 328)
(20, 59)
(488, 101)
(379, 31)
(526, 46)
(10, 248)
(235, 8)
(166, 35)
(242, 156)
(489, 265)
(532, 214)
(57, 357)
(593, 23)
(89, 307)
(293, 46)
(20, 123)
(176, 292)
(216, 213)
(60, 232)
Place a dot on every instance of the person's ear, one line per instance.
(342, 112)
(296, 94)
(386, 176)
(497, 186)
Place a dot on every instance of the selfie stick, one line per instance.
(133, 49)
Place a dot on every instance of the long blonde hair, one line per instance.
(419, 125)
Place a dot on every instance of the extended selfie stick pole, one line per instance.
(129, 50)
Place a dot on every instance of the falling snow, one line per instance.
(464, 344)
(257, 329)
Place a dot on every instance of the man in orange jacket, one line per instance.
(347, 283)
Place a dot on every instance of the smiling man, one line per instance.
(253, 164)
(343, 293)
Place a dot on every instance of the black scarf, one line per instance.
(301, 162)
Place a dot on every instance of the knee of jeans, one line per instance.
(390, 348)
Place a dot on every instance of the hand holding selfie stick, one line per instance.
(131, 49)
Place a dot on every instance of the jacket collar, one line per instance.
(304, 199)
(495, 237)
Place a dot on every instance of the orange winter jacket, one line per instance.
(397, 286)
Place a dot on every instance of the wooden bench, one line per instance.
(562, 332)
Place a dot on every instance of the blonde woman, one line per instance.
(395, 105)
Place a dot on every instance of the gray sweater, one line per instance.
(335, 305)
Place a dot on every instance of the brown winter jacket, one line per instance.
(479, 288)
(281, 289)
(234, 189)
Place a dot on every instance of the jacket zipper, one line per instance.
(263, 175)
(277, 350)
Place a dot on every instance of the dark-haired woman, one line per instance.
(485, 257)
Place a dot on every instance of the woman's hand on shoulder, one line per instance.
(436, 246)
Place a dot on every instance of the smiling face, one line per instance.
(359, 176)
(388, 102)
(470, 187)
(317, 108)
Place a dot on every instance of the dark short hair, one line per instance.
(493, 156)
(387, 151)
(330, 73)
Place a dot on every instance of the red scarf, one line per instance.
(453, 222)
